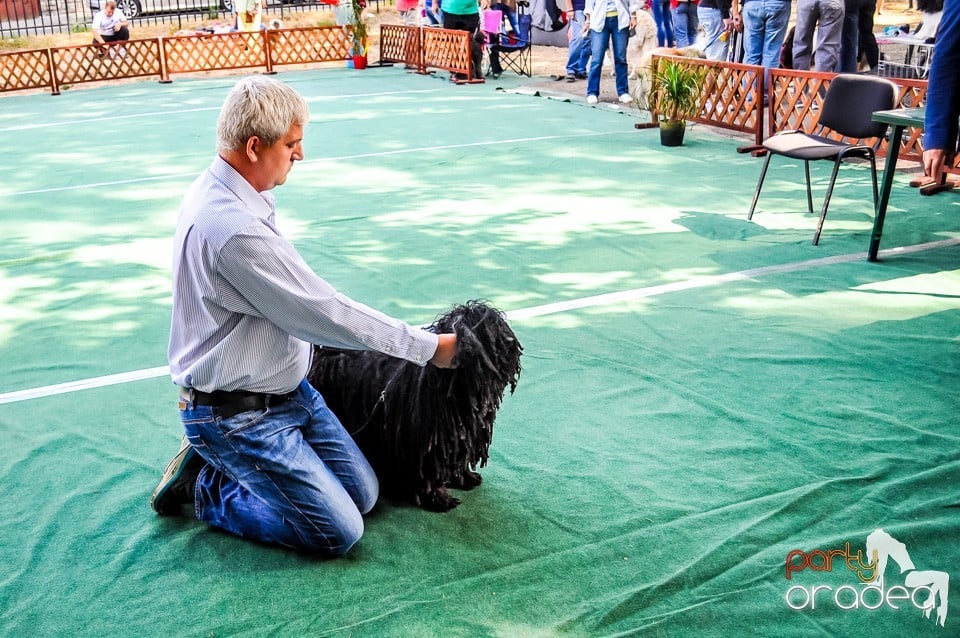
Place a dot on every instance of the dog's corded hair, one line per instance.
(425, 428)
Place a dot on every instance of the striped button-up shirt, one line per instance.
(246, 307)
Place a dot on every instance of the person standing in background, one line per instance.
(857, 36)
(685, 22)
(664, 22)
(609, 20)
(578, 45)
(825, 17)
(764, 28)
(249, 15)
(717, 17)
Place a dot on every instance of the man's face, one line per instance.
(109, 10)
(274, 162)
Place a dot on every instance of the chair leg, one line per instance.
(806, 169)
(756, 195)
(826, 202)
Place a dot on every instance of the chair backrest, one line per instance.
(850, 102)
(524, 21)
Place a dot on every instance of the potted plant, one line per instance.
(675, 92)
(358, 28)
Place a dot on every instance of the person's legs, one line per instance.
(867, 41)
(778, 16)
(668, 22)
(712, 22)
(584, 55)
(657, 8)
(681, 24)
(754, 25)
(598, 49)
(289, 475)
(849, 38)
(575, 45)
(620, 39)
(829, 33)
(807, 13)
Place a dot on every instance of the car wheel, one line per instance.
(131, 8)
(227, 5)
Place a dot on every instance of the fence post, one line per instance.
(164, 72)
(267, 51)
(54, 85)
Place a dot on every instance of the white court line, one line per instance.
(519, 315)
(155, 114)
(420, 149)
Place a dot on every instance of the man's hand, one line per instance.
(933, 161)
(446, 351)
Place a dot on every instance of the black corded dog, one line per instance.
(425, 429)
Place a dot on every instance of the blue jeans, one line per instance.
(579, 46)
(685, 24)
(289, 474)
(598, 48)
(664, 21)
(712, 22)
(764, 27)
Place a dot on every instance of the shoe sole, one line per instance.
(174, 470)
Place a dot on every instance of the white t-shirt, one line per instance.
(107, 25)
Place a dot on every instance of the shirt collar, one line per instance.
(262, 204)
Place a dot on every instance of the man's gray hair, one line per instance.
(262, 107)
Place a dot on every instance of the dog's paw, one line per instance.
(437, 501)
(466, 481)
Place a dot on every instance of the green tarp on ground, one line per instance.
(701, 395)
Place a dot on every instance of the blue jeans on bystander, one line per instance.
(599, 40)
(579, 46)
(764, 27)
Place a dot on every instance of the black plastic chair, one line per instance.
(847, 109)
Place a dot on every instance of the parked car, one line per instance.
(134, 8)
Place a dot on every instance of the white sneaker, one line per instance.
(626, 98)
(591, 99)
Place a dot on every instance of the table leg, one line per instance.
(886, 185)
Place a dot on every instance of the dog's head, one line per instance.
(487, 347)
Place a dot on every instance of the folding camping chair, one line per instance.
(510, 46)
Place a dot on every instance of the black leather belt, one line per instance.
(228, 404)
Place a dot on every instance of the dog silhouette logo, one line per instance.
(883, 548)
(925, 590)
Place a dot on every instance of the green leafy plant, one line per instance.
(675, 89)
(359, 30)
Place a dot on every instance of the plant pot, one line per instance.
(359, 61)
(671, 132)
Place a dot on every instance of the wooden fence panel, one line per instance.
(214, 51)
(91, 63)
(21, 70)
(309, 44)
(447, 49)
(399, 43)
